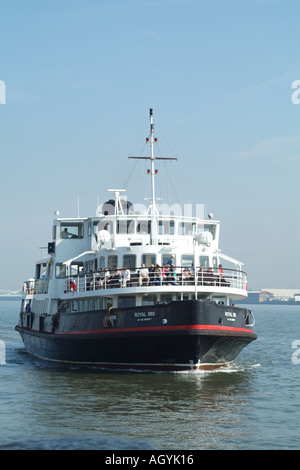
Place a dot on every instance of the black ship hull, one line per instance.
(183, 335)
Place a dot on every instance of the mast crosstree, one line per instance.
(152, 140)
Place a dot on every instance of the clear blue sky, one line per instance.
(80, 78)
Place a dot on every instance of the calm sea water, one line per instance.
(252, 405)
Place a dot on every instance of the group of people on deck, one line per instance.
(102, 279)
(155, 275)
(158, 275)
(204, 277)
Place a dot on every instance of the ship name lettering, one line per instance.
(139, 314)
(230, 314)
(144, 314)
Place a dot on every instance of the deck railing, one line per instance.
(136, 278)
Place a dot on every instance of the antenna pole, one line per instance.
(154, 229)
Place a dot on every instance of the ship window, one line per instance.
(182, 297)
(207, 228)
(41, 271)
(149, 259)
(92, 228)
(166, 298)
(89, 266)
(60, 270)
(168, 259)
(204, 261)
(149, 300)
(187, 260)
(102, 263)
(104, 225)
(143, 226)
(187, 228)
(166, 227)
(76, 269)
(219, 300)
(129, 261)
(124, 301)
(71, 230)
(107, 302)
(125, 226)
(63, 306)
(112, 262)
(98, 303)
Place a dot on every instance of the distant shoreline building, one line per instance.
(290, 296)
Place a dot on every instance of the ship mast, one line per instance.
(152, 140)
(152, 166)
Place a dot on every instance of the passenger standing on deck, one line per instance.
(125, 276)
(171, 260)
(151, 274)
(144, 275)
(157, 274)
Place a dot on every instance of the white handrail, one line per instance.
(93, 281)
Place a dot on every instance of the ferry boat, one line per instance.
(133, 289)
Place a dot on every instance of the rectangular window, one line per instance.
(60, 270)
(41, 271)
(183, 297)
(71, 230)
(129, 261)
(102, 263)
(207, 228)
(125, 226)
(63, 306)
(187, 228)
(149, 300)
(124, 301)
(148, 259)
(187, 260)
(219, 300)
(168, 259)
(76, 268)
(89, 266)
(204, 261)
(112, 262)
(166, 227)
(99, 303)
(143, 226)
(104, 224)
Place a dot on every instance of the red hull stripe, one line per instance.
(157, 328)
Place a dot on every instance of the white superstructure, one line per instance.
(181, 254)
